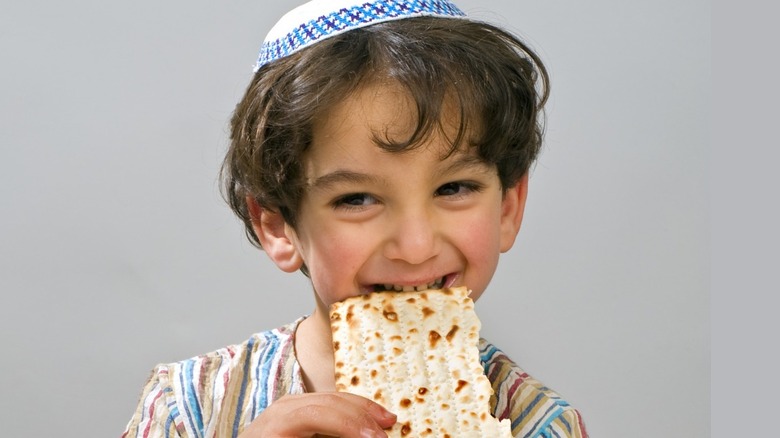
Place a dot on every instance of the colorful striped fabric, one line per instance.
(534, 409)
(218, 394)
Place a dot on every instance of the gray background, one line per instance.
(745, 214)
(118, 252)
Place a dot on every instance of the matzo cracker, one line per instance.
(416, 354)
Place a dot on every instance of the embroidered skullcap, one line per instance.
(321, 19)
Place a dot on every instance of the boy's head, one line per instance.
(475, 84)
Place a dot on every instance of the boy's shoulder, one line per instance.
(220, 390)
(533, 408)
(270, 345)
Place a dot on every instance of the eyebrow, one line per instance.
(341, 176)
(464, 161)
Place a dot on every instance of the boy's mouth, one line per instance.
(435, 284)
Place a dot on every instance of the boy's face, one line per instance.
(372, 219)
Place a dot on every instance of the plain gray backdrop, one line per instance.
(118, 252)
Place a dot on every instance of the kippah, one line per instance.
(321, 19)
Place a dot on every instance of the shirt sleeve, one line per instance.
(535, 410)
(566, 425)
(153, 417)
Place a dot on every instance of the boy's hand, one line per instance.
(333, 413)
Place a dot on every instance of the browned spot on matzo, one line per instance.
(433, 338)
(451, 333)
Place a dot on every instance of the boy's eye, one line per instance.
(457, 188)
(355, 200)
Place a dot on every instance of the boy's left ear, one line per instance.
(512, 208)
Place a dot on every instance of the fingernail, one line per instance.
(389, 415)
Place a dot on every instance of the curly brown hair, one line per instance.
(497, 82)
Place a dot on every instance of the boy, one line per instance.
(381, 145)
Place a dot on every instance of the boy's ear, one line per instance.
(275, 236)
(512, 208)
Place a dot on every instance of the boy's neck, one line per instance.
(314, 352)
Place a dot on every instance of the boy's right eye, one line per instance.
(354, 200)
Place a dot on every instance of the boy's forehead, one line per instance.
(378, 105)
(388, 111)
(369, 129)
(350, 139)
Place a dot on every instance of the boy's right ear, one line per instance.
(275, 236)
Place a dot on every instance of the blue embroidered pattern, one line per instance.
(350, 18)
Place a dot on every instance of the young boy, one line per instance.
(381, 145)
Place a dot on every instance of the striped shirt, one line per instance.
(217, 395)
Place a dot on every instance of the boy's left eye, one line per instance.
(457, 188)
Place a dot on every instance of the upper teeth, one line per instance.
(435, 284)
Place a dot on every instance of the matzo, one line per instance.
(416, 354)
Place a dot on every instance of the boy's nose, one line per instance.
(412, 238)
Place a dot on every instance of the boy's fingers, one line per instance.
(335, 421)
(349, 415)
(375, 409)
(381, 415)
(329, 414)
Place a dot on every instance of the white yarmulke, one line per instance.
(320, 19)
